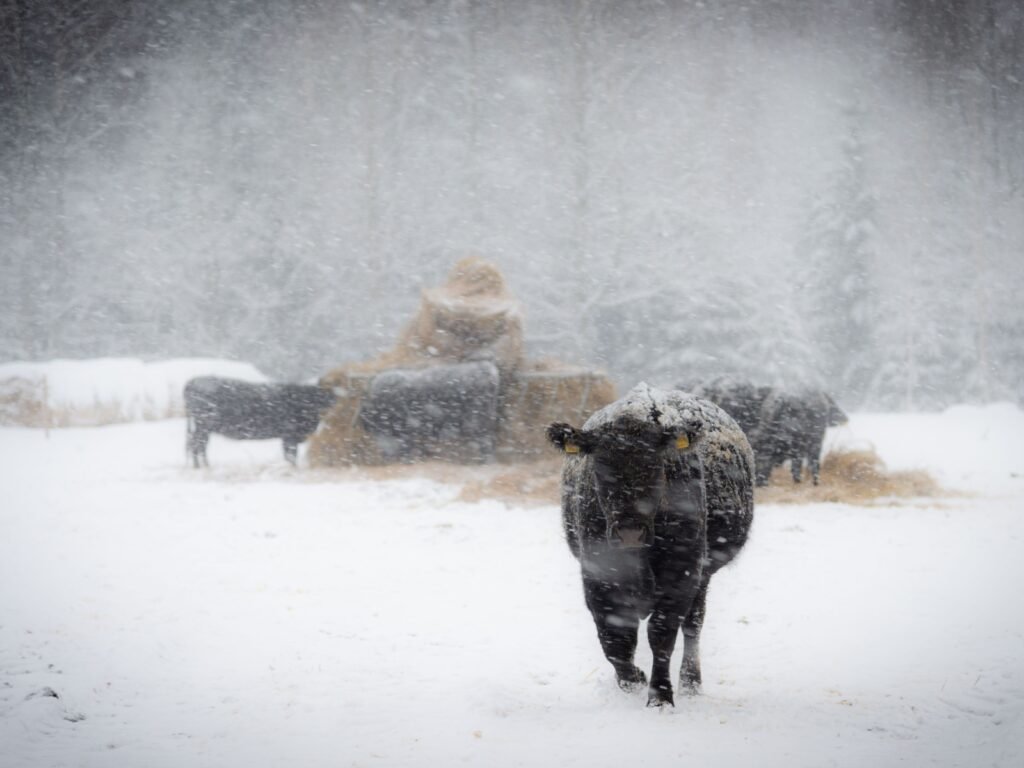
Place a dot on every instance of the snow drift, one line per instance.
(78, 393)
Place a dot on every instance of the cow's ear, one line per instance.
(568, 438)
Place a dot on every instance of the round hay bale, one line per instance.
(533, 399)
(340, 440)
(472, 316)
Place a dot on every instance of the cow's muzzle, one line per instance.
(628, 536)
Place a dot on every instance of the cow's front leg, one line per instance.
(764, 463)
(201, 441)
(617, 628)
(661, 634)
(618, 641)
(683, 579)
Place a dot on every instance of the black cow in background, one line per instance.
(782, 424)
(792, 427)
(444, 411)
(657, 495)
(743, 400)
(245, 411)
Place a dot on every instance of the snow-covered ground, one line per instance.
(253, 615)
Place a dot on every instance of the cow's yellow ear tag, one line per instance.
(682, 442)
(572, 448)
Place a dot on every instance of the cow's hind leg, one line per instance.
(661, 634)
(200, 440)
(192, 444)
(291, 452)
(689, 672)
(190, 450)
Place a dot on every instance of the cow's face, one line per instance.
(628, 474)
(836, 417)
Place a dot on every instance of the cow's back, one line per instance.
(742, 400)
(242, 410)
(448, 411)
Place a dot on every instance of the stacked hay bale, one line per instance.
(473, 316)
(540, 394)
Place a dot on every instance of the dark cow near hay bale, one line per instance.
(444, 411)
(792, 428)
(245, 411)
(741, 399)
(781, 424)
(471, 317)
(657, 495)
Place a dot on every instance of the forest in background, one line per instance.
(824, 192)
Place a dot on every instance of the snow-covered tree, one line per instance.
(836, 257)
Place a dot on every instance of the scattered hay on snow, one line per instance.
(851, 477)
(536, 482)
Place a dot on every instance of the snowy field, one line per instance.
(253, 615)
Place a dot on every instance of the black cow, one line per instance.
(445, 411)
(657, 495)
(245, 411)
(743, 400)
(792, 427)
(782, 424)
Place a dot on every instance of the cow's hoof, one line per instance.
(660, 697)
(690, 687)
(631, 683)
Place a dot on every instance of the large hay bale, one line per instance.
(473, 316)
(535, 398)
(341, 440)
(530, 400)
